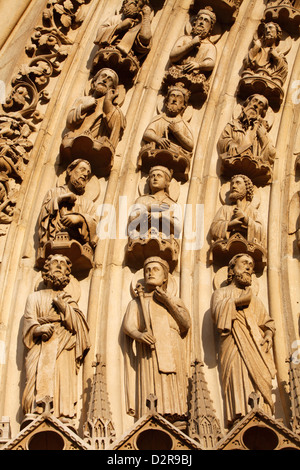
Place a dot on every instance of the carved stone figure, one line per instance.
(246, 337)
(238, 227)
(265, 65)
(169, 136)
(244, 145)
(194, 55)
(154, 224)
(95, 124)
(158, 323)
(125, 38)
(67, 221)
(294, 219)
(56, 336)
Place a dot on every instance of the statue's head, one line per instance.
(132, 8)
(156, 271)
(177, 99)
(204, 23)
(57, 271)
(104, 80)
(240, 270)
(159, 178)
(255, 106)
(241, 187)
(79, 173)
(271, 33)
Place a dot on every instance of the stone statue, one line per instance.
(246, 337)
(56, 335)
(265, 58)
(244, 143)
(241, 217)
(66, 210)
(194, 55)
(155, 216)
(95, 123)
(125, 36)
(169, 137)
(158, 323)
(7, 202)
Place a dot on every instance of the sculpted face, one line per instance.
(202, 25)
(175, 103)
(238, 188)
(255, 107)
(104, 82)
(158, 181)
(58, 266)
(243, 271)
(80, 176)
(154, 275)
(270, 33)
(131, 8)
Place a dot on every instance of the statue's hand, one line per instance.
(145, 337)
(268, 341)
(89, 104)
(46, 331)
(72, 220)
(191, 66)
(59, 302)
(163, 143)
(68, 198)
(160, 295)
(146, 10)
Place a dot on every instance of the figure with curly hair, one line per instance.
(56, 336)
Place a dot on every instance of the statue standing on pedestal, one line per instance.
(246, 338)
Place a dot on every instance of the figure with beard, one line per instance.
(158, 323)
(96, 115)
(194, 54)
(66, 209)
(129, 31)
(169, 130)
(264, 57)
(246, 338)
(248, 133)
(56, 335)
(240, 217)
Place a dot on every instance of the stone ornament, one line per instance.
(193, 56)
(125, 39)
(244, 146)
(246, 336)
(238, 226)
(158, 323)
(95, 124)
(154, 224)
(294, 218)
(56, 336)
(68, 221)
(168, 139)
(265, 67)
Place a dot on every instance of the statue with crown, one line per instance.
(168, 140)
(194, 54)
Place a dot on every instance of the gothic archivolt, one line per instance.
(149, 216)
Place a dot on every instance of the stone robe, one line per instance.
(160, 125)
(245, 366)
(234, 134)
(96, 124)
(124, 41)
(50, 218)
(205, 52)
(258, 62)
(52, 365)
(162, 371)
(253, 233)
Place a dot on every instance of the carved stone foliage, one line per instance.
(157, 321)
(265, 67)
(95, 125)
(168, 139)
(56, 336)
(238, 226)
(68, 220)
(246, 337)
(124, 40)
(193, 56)
(244, 146)
(154, 225)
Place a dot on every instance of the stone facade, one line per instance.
(149, 224)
